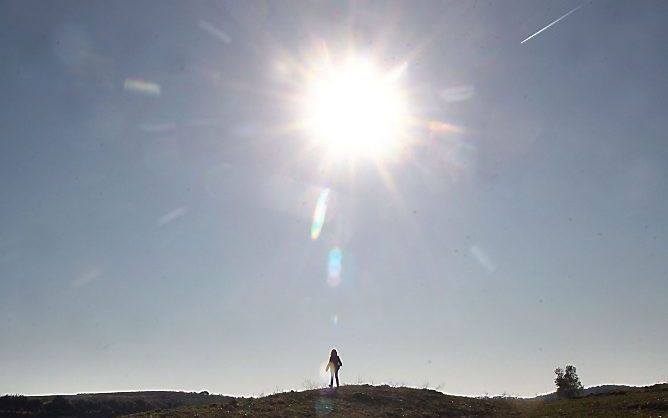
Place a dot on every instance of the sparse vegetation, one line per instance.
(353, 401)
(100, 405)
(357, 401)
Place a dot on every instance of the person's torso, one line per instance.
(335, 362)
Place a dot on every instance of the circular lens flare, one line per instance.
(334, 267)
(319, 214)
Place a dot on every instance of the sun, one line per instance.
(355, 110)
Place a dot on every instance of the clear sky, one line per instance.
(158, 192)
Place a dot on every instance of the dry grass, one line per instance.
(385, 401)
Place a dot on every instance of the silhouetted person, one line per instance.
(333, 366)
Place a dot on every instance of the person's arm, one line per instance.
(340, 362)
(329, 363)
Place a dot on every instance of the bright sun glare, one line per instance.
(355, 110)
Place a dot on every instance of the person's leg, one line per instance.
(336, 373)
(331, 378)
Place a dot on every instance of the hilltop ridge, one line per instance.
(358, 401)
(354, 401)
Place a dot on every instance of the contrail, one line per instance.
(552, 23)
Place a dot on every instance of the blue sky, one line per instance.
(155, 215)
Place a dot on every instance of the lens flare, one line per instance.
(323, 374)
(323, 406)
(334, 267)
(142, 87)
(319, 214)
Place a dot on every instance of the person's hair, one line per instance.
(333, 353)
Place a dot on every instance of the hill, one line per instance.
(348, 401)
(384, 401)
(101, 405)
(594, 390)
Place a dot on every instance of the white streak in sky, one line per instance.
(87, 277)
(482, 258)
(142, 87)
(169, 217)
(556, 21)
(456, 94)
(214, 31)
